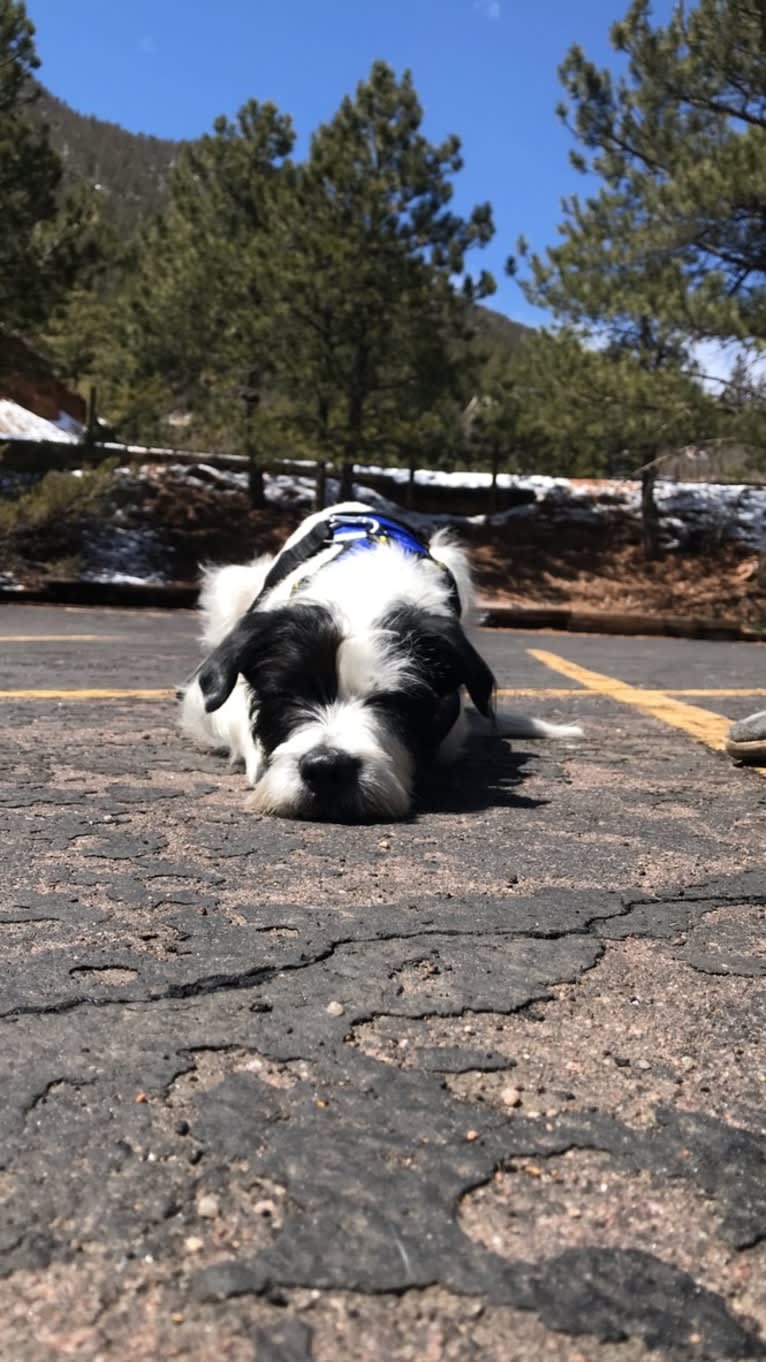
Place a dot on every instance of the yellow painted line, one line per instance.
(551, 693)
(87, 694)
(720, 694)
(520, 692)
(542, 691)
(702, 724)
(58, 638)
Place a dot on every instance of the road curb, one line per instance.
(496, 616)
(492, 614)
(125, 595)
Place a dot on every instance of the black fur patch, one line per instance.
(442, 656)
(294, 671)
(287, 656)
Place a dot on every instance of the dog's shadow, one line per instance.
(488, 775)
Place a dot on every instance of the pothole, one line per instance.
(638, 1030)
(111, 976)
(584, 1198)
(241, 1214)
(211, 1067)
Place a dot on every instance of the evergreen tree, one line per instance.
(44, 242)
(676, 232)
(199, 309)
(600, 412)
(671, 248)
(314, 300)
(492, 420)
(29, 173)
(370, 311)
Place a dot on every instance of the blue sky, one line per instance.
(485, 69)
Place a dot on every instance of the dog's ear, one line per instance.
(444, 654)
(218, 675)
(477, 677)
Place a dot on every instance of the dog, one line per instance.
(336, 670)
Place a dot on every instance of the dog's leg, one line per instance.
(452, 745)
(228, 728)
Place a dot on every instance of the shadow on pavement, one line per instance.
(488, 776)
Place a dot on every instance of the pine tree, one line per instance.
(45, 242)
(671, 248)
(370, 309)
(29, 173)
(584, 411)
(315, 300)
(676, 232)
(492, 420)
(200, 309)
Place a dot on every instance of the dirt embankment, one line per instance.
(543, 559)
(582, 569)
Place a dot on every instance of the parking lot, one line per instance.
(485, 1085)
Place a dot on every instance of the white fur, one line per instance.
(226, 594)
(359, 588)
(387, 772)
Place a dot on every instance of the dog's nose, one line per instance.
(327, 769)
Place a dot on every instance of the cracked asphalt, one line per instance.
(485, 1086)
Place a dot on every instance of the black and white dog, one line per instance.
(337, 667)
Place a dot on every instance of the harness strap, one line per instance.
(285, 562)
(353, 531)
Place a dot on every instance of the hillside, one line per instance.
(130, 169)
(497, 331)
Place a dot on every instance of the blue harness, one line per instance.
(358, 531)
(351, 532)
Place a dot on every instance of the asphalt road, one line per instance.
(486, 1086)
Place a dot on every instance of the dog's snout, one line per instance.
(327, 769)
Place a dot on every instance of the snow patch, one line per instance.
(705, 512)
(116, 554)
(16, 423)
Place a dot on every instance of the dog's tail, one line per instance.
(508, 724)
(511, 725)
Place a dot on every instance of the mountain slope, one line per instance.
(498, 330)
(130, 169)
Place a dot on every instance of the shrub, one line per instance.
(47, 521)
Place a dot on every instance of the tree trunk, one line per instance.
(493, 483)
(650, 516)
(255, 482)
(323, 440)
(254, 472)
(91, 416)
(347, 480)
(355, 413)
(409, 500)
(320, 485)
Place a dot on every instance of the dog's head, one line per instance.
(345, 722)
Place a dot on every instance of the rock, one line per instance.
(208, 1207)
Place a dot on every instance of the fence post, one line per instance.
(91, 416)
(650, 516)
